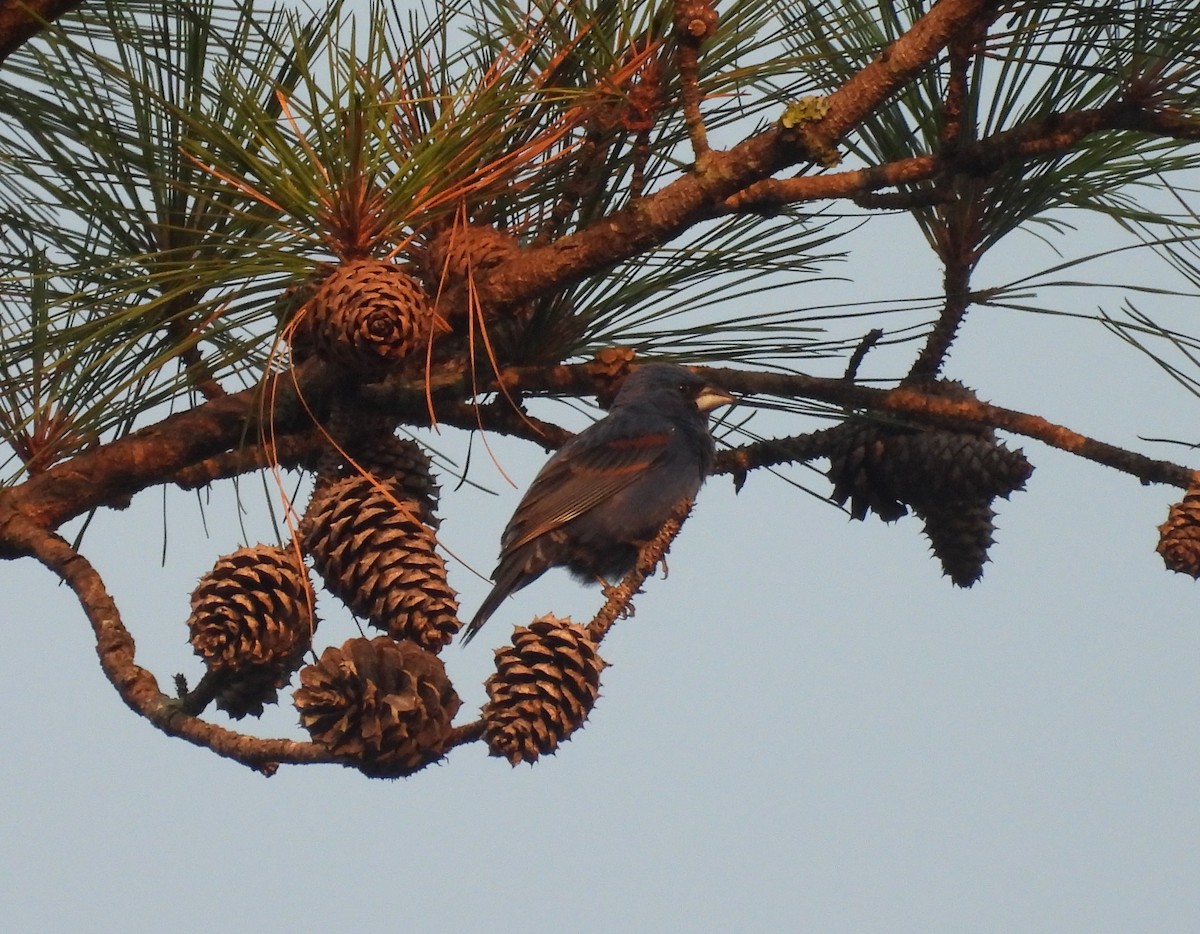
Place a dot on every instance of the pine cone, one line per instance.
(400, 464)
(405, 462)
(960, 534)
(948, 478)
(695, 21)
(543, 689)
(252, 620)
(884, 470)
(459, 252)
(859, 467)
(450, 262)
(375, 554)
(1179, 536)
(383, 706)
(369, 313)
(935, 467)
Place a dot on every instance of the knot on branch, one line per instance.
(695, 21)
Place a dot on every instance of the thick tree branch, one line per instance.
(20, 20)
(657, 218)
(1047, 137)
(171, 450)
(153, 454)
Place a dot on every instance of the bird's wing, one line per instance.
(586, 471)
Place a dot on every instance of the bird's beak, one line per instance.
(711, 397)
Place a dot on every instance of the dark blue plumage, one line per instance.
(607, 492)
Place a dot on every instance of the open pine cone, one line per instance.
(455, 254)
(399, 463)
(1179, 536)
(375, 554)
(369, 314)
(544, 686)
(252, 620)
(383, 706)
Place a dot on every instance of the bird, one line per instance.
(608, 491)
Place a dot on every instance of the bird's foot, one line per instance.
(613, 592)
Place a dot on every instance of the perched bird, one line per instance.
(607, 492)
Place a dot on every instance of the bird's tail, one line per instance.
(489, 606)
(515, 571)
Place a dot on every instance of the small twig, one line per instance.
(644, 101)
(959, 238)
(869, 340)
(695, 22)
(620, 597)
(505, 419)
(194, 702)
(200, 374)
(688, 59)
(180, 331)
(467, 733)
(287, 451)
(587, 177)
(959, 263)
(641, 158)
(961, 54)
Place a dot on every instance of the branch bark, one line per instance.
(912, 403)
(21, 20)
(1048, 137)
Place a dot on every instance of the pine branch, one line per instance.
(659, 217)
(911, 403)
(619, 598)
(21, 20)
(1043, 138)
(159, 453)
(695, 22)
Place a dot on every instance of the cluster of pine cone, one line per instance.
(383, 705)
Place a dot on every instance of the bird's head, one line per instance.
(666, 383)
